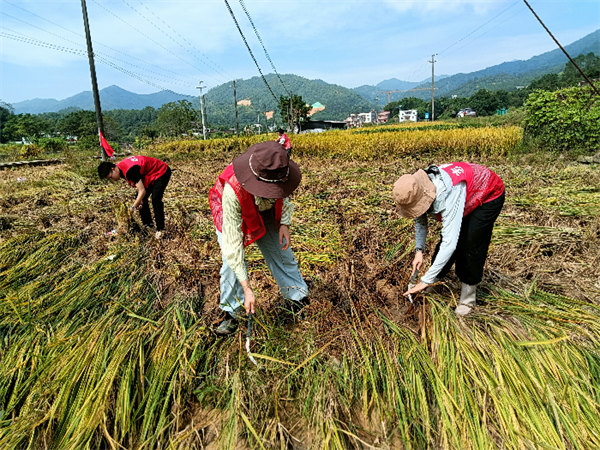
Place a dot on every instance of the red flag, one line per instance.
(107, 148)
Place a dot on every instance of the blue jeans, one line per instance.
(283, 267)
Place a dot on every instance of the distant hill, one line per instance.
(379, 93)
(111, 97)
(509, 75)
(339, 101)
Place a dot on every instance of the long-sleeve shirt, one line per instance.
(450, 204)
(232, 240)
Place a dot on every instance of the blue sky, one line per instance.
(148, 45)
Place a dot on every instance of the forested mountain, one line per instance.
(339, 101)
(111, 97)
(508, 75)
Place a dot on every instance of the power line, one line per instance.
(80, 36)
(563, 50)
(27, 40)
(186, 49)
(263, 45)
(483, 33)
(147, 36)
(83, 53)
(158, 76)
(208, 61)
(479, 27)
(250, 50)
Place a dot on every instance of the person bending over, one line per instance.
(467, 198)
(249, 203)
(150, 177)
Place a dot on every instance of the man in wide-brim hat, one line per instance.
(249, 203)
(467, 198)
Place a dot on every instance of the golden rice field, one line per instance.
(108, 342)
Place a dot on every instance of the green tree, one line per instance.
(176, 118)
(6, 112)
(293, 112)
(548, 82)
(484, 102)
(589, 64)
(28, 126)
(79, 123)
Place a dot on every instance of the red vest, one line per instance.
(150, 168)
(483, 185)
(286, 141)
(253, 225)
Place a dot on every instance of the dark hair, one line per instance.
(104, 168)
(280, 130)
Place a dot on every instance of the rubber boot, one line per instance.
(467, 299)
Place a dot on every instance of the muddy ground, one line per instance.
(353, 248)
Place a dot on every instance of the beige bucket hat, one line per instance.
(413, 194)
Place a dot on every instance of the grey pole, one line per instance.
(237, 125)
(95, 93)
(202, 109)
(432, 87)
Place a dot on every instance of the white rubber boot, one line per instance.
(467, 299)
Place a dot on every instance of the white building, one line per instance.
(357, 120)
(407, 115)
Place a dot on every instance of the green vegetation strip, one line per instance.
(397, 129)
(90, 361)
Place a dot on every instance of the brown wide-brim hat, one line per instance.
(266, 170)
(414, 194)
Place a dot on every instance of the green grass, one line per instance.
(108, 342)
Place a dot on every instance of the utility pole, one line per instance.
(237, 125)
(95, 93)
(291, 115)
(202, 109)
(433, 61)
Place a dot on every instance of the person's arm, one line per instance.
(420, 239)
(454, 206)
(284, 224)
(141, 193)
(134, 175)
(452, 216)
(232, 244)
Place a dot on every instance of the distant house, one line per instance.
(408, 115)
(368, 117)
(358, 120)
(383, 117)
(323, 124)
(245, 102)
(352, 121)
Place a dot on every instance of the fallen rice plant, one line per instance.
(106, 342)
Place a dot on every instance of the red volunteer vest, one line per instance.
(286, 142)
(253, 225)
(483, 185)
(150, 168)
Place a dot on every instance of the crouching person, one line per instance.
(467, 199)
(149, 176)
(249, 203)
